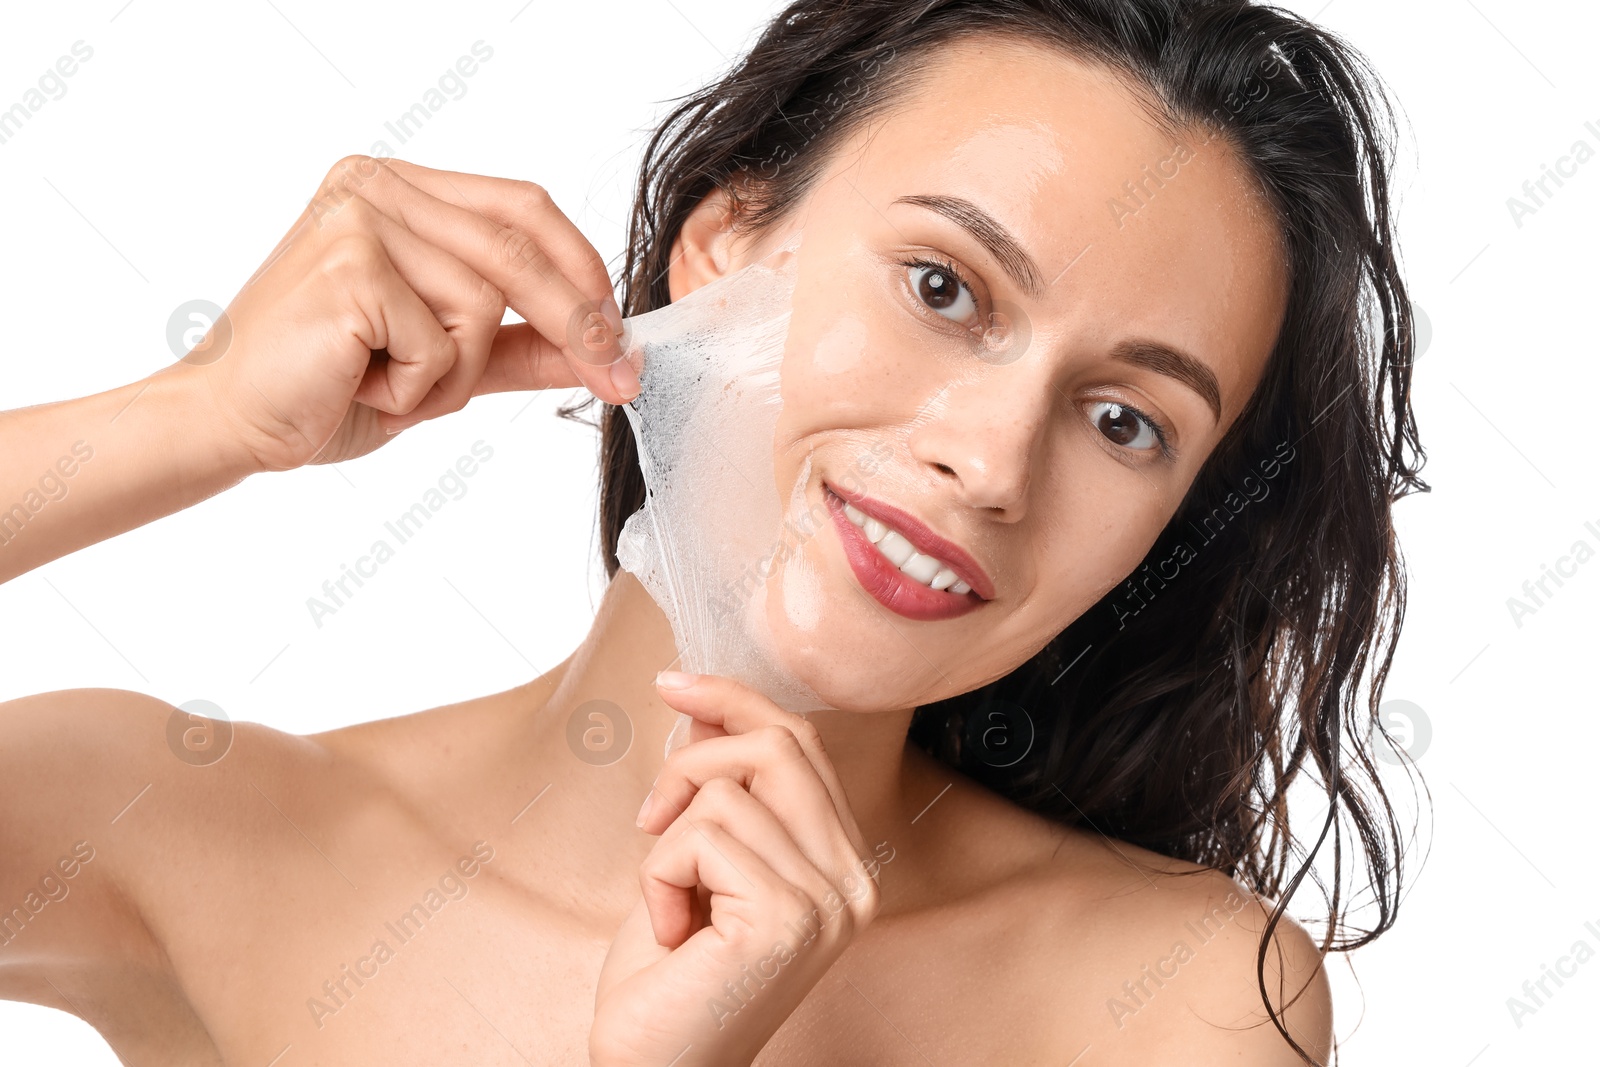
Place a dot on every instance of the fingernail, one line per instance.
(674, 680)
(644, 809)
(625, 379)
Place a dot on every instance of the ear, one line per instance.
(703, 250)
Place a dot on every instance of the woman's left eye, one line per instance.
(943, 291)
(1125, 426)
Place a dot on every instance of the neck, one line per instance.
(629, 642)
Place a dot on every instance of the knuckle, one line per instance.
(806, 733)
(796, 904)
(720, 791)
(534, 198)
(870, 898)
(782, 742)
(353, 253)
(354, 163)
(487, 301)
(349, 174)
(842, 924)
(519, 251)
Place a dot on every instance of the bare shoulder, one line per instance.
(107, 796)
(1171, 960)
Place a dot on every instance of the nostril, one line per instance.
(946, 468)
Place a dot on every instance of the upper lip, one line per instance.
(923, 539)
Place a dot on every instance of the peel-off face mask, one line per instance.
(715, 527)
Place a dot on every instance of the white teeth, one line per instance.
(895, 548)
(921, 567)
(927, 570)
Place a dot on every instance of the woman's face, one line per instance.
(993, 336)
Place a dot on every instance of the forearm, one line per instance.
(79, 471)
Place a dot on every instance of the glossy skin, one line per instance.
(221, 899)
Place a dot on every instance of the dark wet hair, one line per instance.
(1249, 650)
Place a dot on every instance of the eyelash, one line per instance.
(948, 269)
(944, 266)
(1162, 438)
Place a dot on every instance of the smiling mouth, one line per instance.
(897, 560)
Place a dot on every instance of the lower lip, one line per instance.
(901, 595)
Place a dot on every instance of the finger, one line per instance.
(736, 708)
(726, 844)
(521, 358)
(772, 767)
(465, 304)
(513, 234)
(394, 320)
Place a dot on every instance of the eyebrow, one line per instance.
(1174, 364)
(1006, 250)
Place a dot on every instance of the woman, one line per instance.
(1048, 822)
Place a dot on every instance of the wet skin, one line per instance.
(219, 903)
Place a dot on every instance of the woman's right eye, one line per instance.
(942, 291)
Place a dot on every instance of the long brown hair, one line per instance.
(1250, 648)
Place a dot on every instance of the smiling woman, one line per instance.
(1101, 567)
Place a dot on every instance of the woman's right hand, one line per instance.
(420, 264)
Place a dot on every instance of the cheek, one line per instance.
(857, 357)
(1099, 534)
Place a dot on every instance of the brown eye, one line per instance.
(943, 292)
(1122, 425)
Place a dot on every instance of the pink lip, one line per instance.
(885, 583)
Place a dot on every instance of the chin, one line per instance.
(857, 663)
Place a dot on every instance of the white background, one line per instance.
(189, 142)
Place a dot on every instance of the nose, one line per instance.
(984, 437)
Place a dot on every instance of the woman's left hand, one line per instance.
(756, 886)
